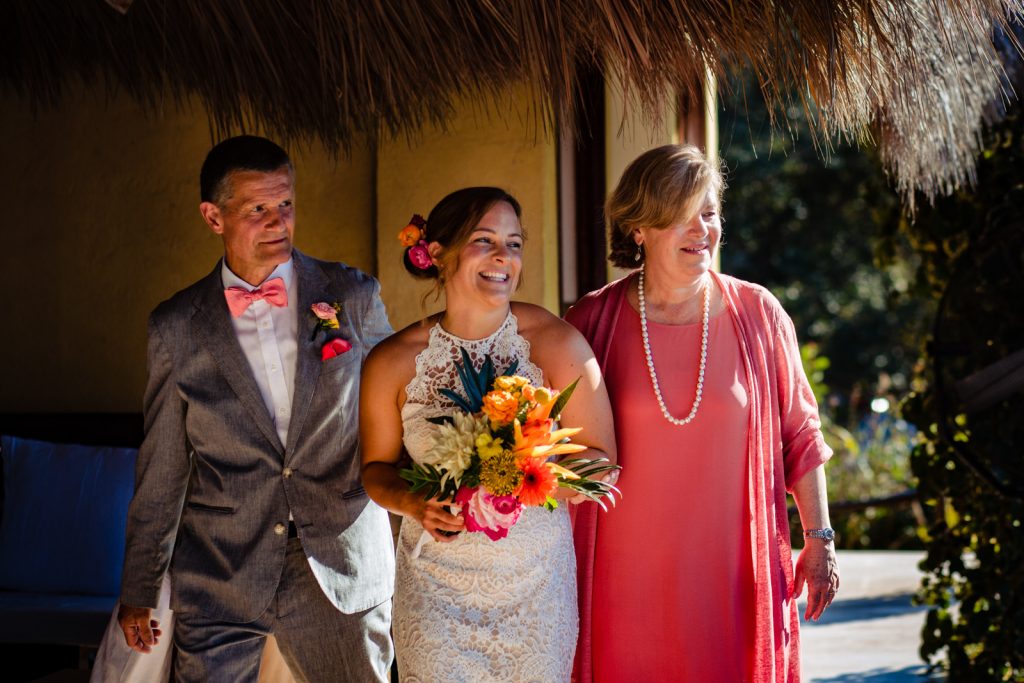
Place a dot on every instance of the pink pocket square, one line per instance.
(334, 347)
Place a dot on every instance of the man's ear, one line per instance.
(211, 214)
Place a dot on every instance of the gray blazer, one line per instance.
(213, 480)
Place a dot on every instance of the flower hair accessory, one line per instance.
(413, 238)
(413, 233)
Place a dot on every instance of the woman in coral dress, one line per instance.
(691, 578)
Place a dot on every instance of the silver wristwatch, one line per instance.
(827, 534)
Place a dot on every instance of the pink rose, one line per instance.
(419, 256)
(325, 311)
(334, 347)
(493, 515)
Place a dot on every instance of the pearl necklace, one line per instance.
(650, 360)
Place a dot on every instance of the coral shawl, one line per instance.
(784, 444)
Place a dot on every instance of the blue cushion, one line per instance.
(64, 511)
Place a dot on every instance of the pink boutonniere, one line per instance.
(334, 347)
(327, 320)
(327, 317)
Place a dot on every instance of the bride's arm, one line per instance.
(563, 354)
(380, 434)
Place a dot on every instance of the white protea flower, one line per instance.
(454, 445)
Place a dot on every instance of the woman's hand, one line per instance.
(434, 517)
(817, 563)
(817, 567)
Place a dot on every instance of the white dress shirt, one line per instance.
(268, 336)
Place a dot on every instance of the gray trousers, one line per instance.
(319, 643)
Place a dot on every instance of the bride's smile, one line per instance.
(488, 269)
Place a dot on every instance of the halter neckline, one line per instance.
(509, 319)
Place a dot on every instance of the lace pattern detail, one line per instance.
(476, 609)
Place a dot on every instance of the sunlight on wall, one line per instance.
(480, 146)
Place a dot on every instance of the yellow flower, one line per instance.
(500, 475)
(542, 396)
(509, 382)
(500, 406)
(488, 447)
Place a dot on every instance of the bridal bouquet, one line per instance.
(493, 458)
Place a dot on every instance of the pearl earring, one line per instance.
(639, 253)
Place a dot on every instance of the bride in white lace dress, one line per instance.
(468, 608)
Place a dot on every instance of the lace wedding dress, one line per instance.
(474, 609)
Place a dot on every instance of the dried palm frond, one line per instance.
(916, 73)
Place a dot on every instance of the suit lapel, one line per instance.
(313, 286)
(213, 327)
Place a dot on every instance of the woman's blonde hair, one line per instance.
(661, 186)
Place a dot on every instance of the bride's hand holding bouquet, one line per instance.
(494, 456)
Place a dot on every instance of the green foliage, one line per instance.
(562, 399)
(870, 461)
(808, 229)
(592, 488)
(972, 260)
(476, 383)
(429, 480)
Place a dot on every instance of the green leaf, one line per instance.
(485, 378)
(563, 398)
(459, 401)
(427, 479)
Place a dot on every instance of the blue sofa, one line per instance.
(66, 482)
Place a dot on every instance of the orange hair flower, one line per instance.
(538, 482)
(411, 234)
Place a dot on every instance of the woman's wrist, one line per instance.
(825, 534)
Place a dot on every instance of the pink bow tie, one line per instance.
(272, 291)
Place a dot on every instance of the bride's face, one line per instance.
(492, 259)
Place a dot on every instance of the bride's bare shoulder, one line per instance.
(397, 354)
(540, 326)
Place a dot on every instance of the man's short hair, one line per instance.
(241, 153)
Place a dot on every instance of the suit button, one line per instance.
(287, 472)
(280, 529)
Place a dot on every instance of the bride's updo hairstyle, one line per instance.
(450, 224)
(661, 186)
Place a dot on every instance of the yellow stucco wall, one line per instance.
(102, 223)
(478, 147)
(627, 135)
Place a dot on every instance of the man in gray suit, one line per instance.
(247, 483)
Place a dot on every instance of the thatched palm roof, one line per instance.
(915, 73)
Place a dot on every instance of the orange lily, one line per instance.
(536, 440)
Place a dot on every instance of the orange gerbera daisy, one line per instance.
(538, 482)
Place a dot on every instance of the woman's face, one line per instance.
(685, 249)
(490, 262)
